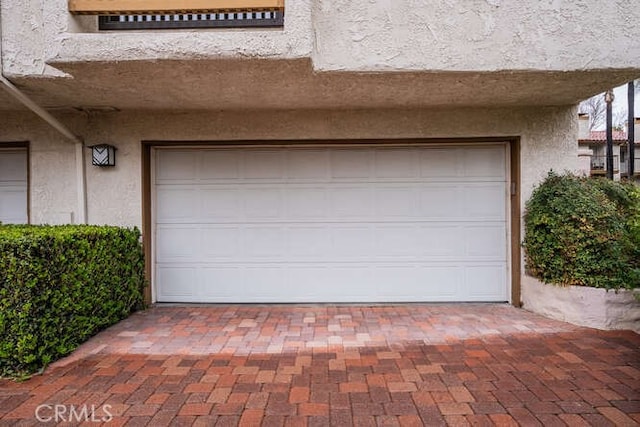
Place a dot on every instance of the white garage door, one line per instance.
(13, 186)
(331, 225)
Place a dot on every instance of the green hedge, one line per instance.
(59, 285)
(584, 232)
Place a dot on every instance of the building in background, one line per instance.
(592, 145)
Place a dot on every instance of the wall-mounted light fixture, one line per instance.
(103, 155)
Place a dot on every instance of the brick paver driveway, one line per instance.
(478, 364)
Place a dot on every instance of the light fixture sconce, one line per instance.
(103, 155)
(608, 96)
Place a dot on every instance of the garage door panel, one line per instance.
(175, 243)
(176, 166)
(13, 204)
(313, 283)
(265, 281)
(352, 202)
(485, 282)
(305, 165)
(393, 240)
(315, 280)
(265, 242)
(313, 242)
(222, 242)
(264, 164)
(485, 162)
(351, 164)
(177, 284)
(440, 240)
(219, 165)
(442, 283)
(396, 202)
(405, 280)
(13, 167)
(177, 204)
(334, 225)
(300, 283)
(306, 203)
(220, 204)
(416, 283)
(262, 204)
(438, 202)
(13, 186)
(485, 202)
(439, 163)
(222, 283)
(353, 243)
(390, 163)
(485, 241)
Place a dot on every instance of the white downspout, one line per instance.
(81, 179)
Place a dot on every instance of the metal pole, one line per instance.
(631, 129)
(608, 97)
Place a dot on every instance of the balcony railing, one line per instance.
(143, 7)
(177, 14)
(599, 165)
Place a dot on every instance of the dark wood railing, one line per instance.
(599, 165)
(164, 7)
(181, 14)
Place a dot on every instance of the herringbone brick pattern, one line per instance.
(399, 365)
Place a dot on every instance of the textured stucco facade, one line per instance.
(482, 35)
(52, 177)
(382, 54)
(478, 35)
(547, 138)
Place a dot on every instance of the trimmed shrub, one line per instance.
(584, 232)
(59, 285)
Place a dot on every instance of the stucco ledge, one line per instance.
(591, 307)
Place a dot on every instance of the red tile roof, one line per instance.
(601, 136)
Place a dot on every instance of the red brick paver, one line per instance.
(399, 365)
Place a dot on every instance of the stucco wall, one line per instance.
(548, 138)
(486, 35)
(345, 35)
(38, 31)
(330, 54)
(52, 174)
